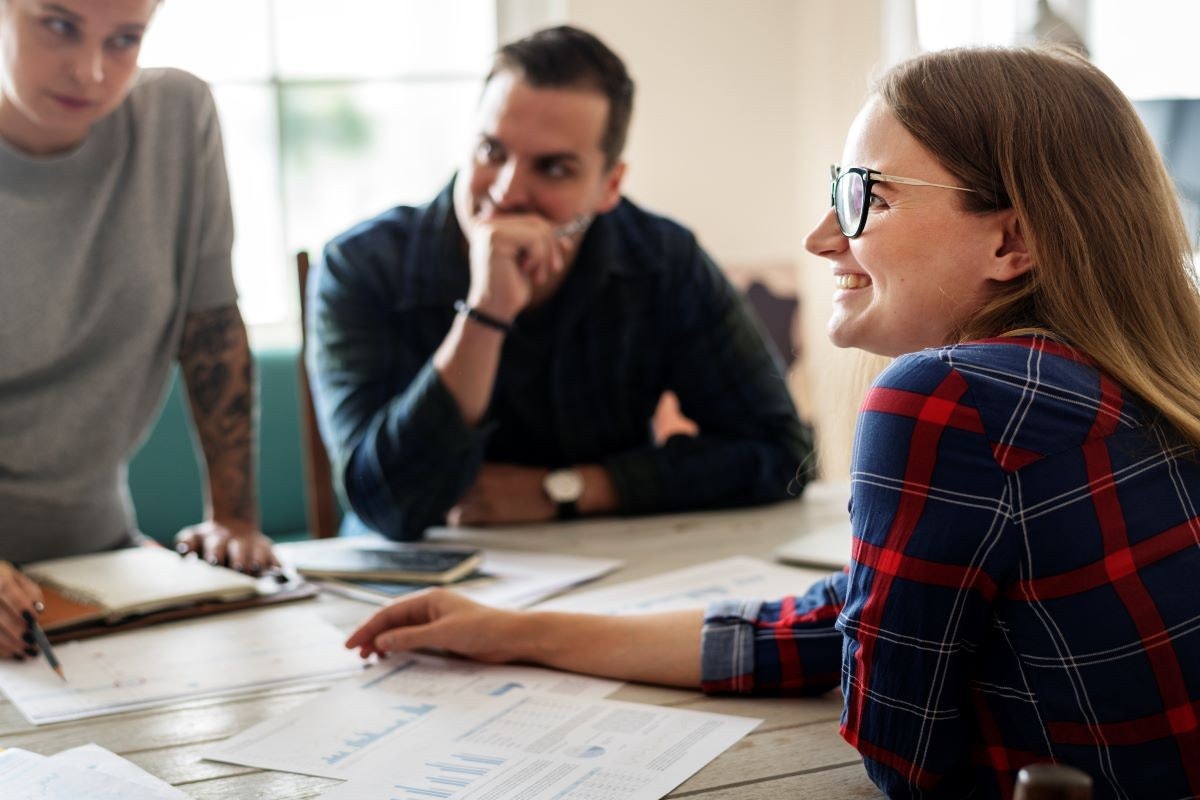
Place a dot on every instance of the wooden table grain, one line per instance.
(796, 752)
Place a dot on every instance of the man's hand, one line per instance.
(504, 493)
(511, 257)
(441, 620)
(236, 544)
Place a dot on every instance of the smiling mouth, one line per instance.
(851, 281)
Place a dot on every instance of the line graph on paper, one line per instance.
(447, 777)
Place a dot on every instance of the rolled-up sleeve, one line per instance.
(787, 646)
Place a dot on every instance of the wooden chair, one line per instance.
(321, 503)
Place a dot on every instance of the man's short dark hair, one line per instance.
(567, 57)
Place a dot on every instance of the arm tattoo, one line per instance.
(214, 357)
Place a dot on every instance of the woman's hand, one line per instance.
(440, 619)
(652, 648)
(237, 545)
(20, 602)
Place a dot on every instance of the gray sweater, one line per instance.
(105, 250)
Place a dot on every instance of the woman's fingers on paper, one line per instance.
(410, 638)
(12, 647)
(411, 610)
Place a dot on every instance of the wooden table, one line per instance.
(795, 752)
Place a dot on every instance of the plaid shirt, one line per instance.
(643, 310)
(1023, 588)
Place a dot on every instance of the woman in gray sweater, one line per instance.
(117, 230)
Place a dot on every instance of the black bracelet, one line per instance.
(484, 319)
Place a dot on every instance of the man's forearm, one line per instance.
(218, 372)
(467, 361)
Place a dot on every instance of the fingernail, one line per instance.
(182, 549)
(29, 651)
(27, 617)
(28, 637)
(212, 560)
(39, 606)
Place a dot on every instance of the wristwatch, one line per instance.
(564, 487)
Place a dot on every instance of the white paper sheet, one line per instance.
(517, 579)
(542, 747)
(89, 771)
(225, 654)
(387, 708)
(693, 587)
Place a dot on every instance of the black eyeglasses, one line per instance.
(850, 192)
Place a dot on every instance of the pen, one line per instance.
(40, 636)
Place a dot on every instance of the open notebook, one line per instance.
(122, 583)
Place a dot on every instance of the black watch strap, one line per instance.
(568, 510)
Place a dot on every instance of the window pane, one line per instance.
(266, 287)
(1147, 48)
(367, 38)
(351, 152)
(219, 40)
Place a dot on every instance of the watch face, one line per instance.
(564, 485)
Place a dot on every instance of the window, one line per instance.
(331, 113)
(1145, 47)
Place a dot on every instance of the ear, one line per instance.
(611, 194)
(1011, 258)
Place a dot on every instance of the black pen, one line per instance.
(40, 636)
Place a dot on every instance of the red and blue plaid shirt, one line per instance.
(1025, 584)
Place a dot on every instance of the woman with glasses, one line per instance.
(1026, 481)
(117, 230)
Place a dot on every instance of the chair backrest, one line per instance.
(322, 504)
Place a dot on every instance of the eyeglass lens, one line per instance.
(848, 199)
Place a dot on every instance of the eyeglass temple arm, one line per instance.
(882, 178)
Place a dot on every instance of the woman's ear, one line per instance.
(1012, 258)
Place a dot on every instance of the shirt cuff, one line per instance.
(727, 647)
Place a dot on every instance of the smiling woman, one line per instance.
(1026, 473)
(117, 233)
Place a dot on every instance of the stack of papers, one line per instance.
(420, 727)
(228, 654)
(89, 771)
(694, 587)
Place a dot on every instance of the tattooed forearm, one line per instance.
(214, 357)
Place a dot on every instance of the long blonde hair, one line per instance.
(1046, 133)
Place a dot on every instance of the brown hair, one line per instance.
(1046, 133)
(568, 57)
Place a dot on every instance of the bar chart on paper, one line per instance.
(361, 739)
(446, 777)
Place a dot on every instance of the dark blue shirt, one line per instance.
(643, 310)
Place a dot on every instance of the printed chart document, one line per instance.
(89, 771)
(547, 747)
(693, 587)
(157, 666)
(388, 708)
